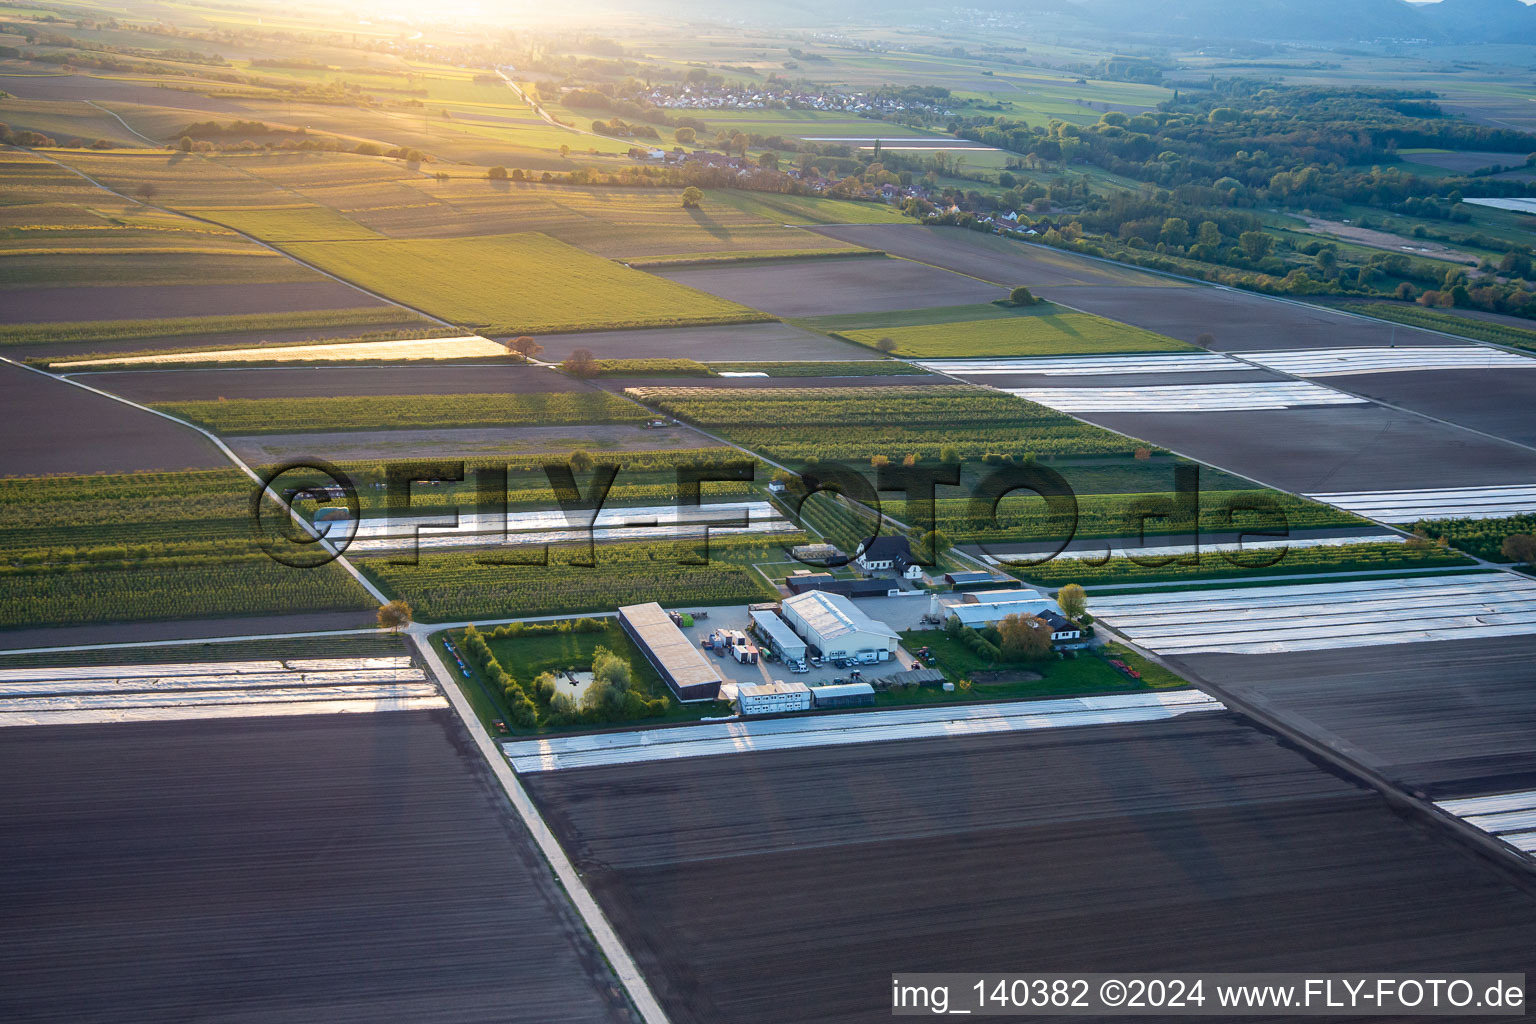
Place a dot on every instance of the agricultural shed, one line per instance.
(780, 638)
(689, 674)
(844, 695)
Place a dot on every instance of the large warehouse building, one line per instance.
(689, 674)
(834, 625)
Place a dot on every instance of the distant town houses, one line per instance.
(730, 97)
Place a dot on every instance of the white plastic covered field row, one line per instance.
(1118, 550)
(204, 668)
(253, 681)
(1410, 506)
(1087, 366)
(737, 737)
(1181, 398)
(1323, 616)
(110, 693)
(655, 522)
(1325, 362)
(1509, 816)
(182, 713)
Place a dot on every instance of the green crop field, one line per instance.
(862, 423)
(1022, 518)
(461, 585)
(126, 330)
(1450, 323)
(844, 368)
(147, 546)
(292, 224)
(1209, 566)
(387, 412)
(524, 283)
(1051, 332)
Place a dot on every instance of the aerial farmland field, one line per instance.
(524, 283)
(666, 515)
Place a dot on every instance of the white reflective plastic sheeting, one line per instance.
(270, 695)
(1086, 366)
(1157, 551)
(1322, 616)
(107, 693)
(95, 716)
(1184, 398)
(832, 730)
(655, 522)
(201, 668)
(236, 682)
(1326, 362)
(1409, 506)
(1524, 800)
(1509, 816)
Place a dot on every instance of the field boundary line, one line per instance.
(601, 930)
(229, 453)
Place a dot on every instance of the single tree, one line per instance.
(1205, 340)
(692, 197)
(580, 363)
(768, 160)
(146, 191)
(739, 143)
(184, 144)
(1024, 638)
(949, 454)
(565, 150)
(1256, 244)
(1073, 601)
(1022, 296)
(1209, 233)
(579, 461)
(497, 173)
(886, 344)
(395, 616)
(685, 136)
(1520, 547)
(525, 347)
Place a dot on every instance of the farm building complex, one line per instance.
(686, 671)
(836, 627)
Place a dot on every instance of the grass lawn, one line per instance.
(520, 283)
(1049, 332)
(1088, 673)
(524, 657)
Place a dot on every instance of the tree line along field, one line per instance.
(391, 412)
(1210, 565)
(147, 546)
(860, 423)
(469, 585)
(523, 283)
(1051, 331)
